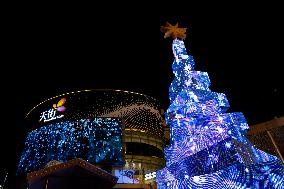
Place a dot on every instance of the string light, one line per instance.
(138, 111)
(97, 140)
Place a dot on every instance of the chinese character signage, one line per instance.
(54, 112)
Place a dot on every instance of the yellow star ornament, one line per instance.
(173, 31)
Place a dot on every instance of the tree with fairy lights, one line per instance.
(208, 146)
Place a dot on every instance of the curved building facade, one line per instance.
(118, 130)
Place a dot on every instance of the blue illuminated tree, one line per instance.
(208, 146)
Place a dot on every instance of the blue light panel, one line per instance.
(97, 140)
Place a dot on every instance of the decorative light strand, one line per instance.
(97, 140)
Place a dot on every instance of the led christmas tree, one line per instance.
(208, 146)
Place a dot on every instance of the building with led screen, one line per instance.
(119, 131)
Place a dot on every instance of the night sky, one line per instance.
(50, 52)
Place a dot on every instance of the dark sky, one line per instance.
(49, 52)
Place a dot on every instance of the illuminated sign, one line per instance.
(51, 114)
(127, 176)
(150, 176)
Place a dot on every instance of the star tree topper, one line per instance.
(173, 31)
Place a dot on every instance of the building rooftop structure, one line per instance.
(75, 173)
(269, 136)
